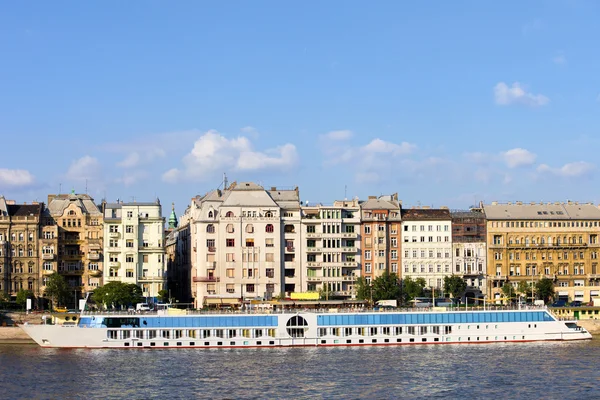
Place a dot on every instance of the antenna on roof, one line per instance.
(225, 181)
(345, 192)
(86, 191)
(59, 188)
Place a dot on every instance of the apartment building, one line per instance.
(427, 244)
(530, 241)
(331, 248)
(19, 252)
(72, 242)
(380, 235)
(134, 245)
(244, 243)
(469, 250)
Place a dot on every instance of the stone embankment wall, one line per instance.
(14, 334)
(591, 325)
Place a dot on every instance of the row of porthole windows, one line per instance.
(495, 326)
(487, 338)
(120, 334)
(177, 344)
(384, 330)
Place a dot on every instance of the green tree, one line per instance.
(163, 296)
(412, 288)
(526, 289)
(386, 287)
(363, 289)
(454, 285)
(4, 300)
(117, 294)
(57, 289)
(509, 291)
(545, 289)
(22, 296)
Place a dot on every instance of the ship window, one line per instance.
(192, 343)
(296, 326)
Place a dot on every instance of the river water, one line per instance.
(493, 371)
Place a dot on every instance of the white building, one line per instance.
(427, 245)
(331, 248)
(243, 243)
(134, 245)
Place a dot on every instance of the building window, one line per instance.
(230, 228)
(129, 243)
(368, 267)
(129, 258)
(367, 254)
(269, 228)
(210, 228)
(129, 273)
(250, 288)
(230, 242)
(367, 229)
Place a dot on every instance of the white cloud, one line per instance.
(146, 156)
(337, 135)
(131, 177)
(381, 146)
(86, 167)
(518, 157)
(15, 177)
(560, 59)
(215, 152)
(531, 26)
(515, 94)
(250, 131)
(569, 170)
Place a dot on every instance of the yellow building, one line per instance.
(559, 241)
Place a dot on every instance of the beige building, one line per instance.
(19, 253)
(380, 236)
(331, 248)
(244, 242)
(72, 241)
(559, 241)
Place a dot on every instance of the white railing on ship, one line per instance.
(290, 310)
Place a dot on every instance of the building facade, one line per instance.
(244, 244)
(331, 248)
(427, 245)
(134, 245)
(380, 236)
(469, 250)
(77, 223)
(559, 241)
(19, 252)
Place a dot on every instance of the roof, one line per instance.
(467, 214)
(3, 208)
(554, 211)
(380, 204)
(430, 213)
(24, 210)
(58, 203)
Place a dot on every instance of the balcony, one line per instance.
(212, 249)
(114, 264)
(47, 256)
(290, 249)
(314, 250)
(313, 264)
(313, 235)
(211, 264)
(350, 264)
(350, 235)
(94, 256)
(95, 272)
(113, 235)
(593, 276)
(314, 278)
(48, 272)
(152, 279)
(348, 278)
(95, 243)
(349, 249)
(205, 279)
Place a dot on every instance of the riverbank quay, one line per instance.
(14, 335)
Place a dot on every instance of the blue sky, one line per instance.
(444, 102)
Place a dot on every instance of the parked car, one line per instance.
(142, 307)
(576, 303)
(559, 303)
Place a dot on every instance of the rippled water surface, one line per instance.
(497, 371)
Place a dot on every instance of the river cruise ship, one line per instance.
(333, 327)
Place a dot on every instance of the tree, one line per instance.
(363, 289)
(115, 294)
(22, 296)
(509, 291)
(412, 288)
(454, 285)
(545, 289)
(163, 296)
(526, 289)
(4, 300)
(386, 287)
(57, 289)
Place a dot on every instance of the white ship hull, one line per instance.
(306, 329)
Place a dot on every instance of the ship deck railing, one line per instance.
(318, 310)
